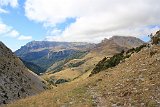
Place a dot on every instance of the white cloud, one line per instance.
(96, 19)
(12, 3)
(4, 28)
(3, 3)
(24, 37)
(3, 11)
(13, 33)
(55, 32)
(8, 31)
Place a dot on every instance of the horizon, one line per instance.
(145, 40)
(75, 21)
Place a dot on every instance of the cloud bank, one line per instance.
(95, 19)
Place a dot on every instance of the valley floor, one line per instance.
(133, 83)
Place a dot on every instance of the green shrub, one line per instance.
(76, 64)
(137, 49)
(60, 81)
(115, 60)
(108, 63)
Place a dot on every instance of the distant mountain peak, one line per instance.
(127, 41)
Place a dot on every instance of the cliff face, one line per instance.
(16, 81)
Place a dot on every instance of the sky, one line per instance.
(22, 21)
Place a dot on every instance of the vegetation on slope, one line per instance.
(72, 65)
(106, 63)
(40, 61)
(33, 67)
(46, 61)
(59, 65)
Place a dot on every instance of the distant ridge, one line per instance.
(45, 53)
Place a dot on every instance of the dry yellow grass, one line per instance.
(136, 82)
(90, 60)
(68, 74)
(67, 94)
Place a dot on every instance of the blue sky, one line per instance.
(16, 19)
(22, 21)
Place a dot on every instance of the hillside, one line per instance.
(45, 53)
(78, 66)
(134, 82)
(16, 81)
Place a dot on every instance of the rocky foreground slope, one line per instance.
(16, 81)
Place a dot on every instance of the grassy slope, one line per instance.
(87, 63)
(67, 74)
(71, 73)
(136, 82)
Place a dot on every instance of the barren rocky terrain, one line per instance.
(16, 81)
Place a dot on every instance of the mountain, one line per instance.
(116, 44)
(72, 69)
(45, 53)
(35, 46)
(16, 81)
(133, 82)
(128, 41)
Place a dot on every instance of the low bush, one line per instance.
(115, 60)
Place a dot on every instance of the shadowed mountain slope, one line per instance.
(16, 81)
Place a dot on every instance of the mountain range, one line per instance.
(44, 53)
(38, 56)
(109, 75)
(59, 62)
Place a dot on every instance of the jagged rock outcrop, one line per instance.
(155, 39)
(16, 81)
